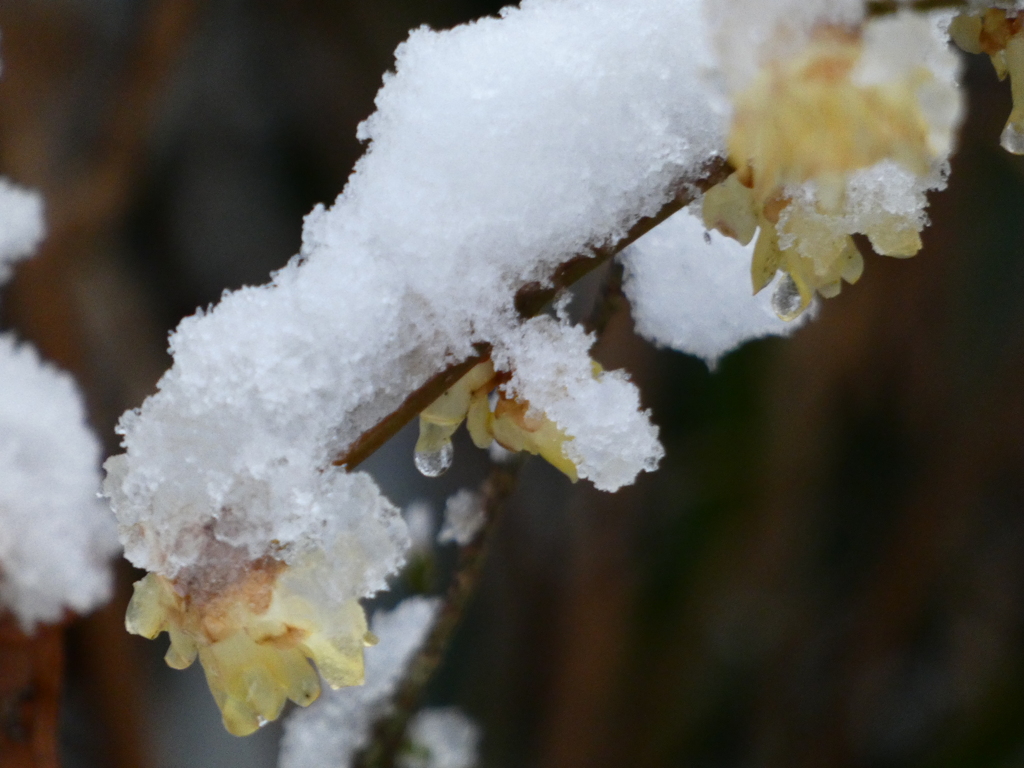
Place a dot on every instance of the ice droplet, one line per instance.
(786, 300)
(1012, 139)
(435, 463)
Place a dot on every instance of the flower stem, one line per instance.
(388, 736)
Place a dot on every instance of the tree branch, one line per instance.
(532, 298)
(389, 732)
(530, 301)
(388, 736)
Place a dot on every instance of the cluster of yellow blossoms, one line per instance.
(253, 639)
(512, 423)
(1000, 34)
(256, 636)
(805, 119)
(808, 121)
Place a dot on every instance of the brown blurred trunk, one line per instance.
(88, 191)
(31, 668)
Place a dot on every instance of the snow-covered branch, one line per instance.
(530, 300)
(507, 158)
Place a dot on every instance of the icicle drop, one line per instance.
(786, 300)
(1012, 139)
(435, 463)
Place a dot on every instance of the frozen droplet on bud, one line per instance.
(1012, 139)
(786, 301)
(435, 463)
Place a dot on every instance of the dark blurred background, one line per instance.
(828, 569)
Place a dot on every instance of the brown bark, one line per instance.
(31, 668)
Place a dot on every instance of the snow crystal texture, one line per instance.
(612, 439)
(442, 737)
(463, 517)
(689, 289)
(498, 149)
(21, 224)
(56, 537)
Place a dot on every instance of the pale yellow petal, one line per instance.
(767, 257)
(831, 290)
(146, 611)
(896, 237)
(238, 718)
(182, 651)
(433, 435)
(965, 31)
(478, 422)
(729, 208)
(303, 685)
(339, 664)
(1012, 138)
(853, 263)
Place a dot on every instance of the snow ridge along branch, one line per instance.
(530, 301)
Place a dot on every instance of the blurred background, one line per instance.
(828, 569)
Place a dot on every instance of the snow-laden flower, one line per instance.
(439, 421)
(518, 427)
(1000, 34)
(329, 734)
(253, 639)
(806, 130)
(513, 423)
(254, 618)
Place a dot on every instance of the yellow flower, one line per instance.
(729, 208)
(468, 396)
(253, 639)
(512, 423)
(807, 118)
(517, 429)
(1001, 36)
(812, 118)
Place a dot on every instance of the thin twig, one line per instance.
(390, 425)
(609, 301)
(389, 732)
